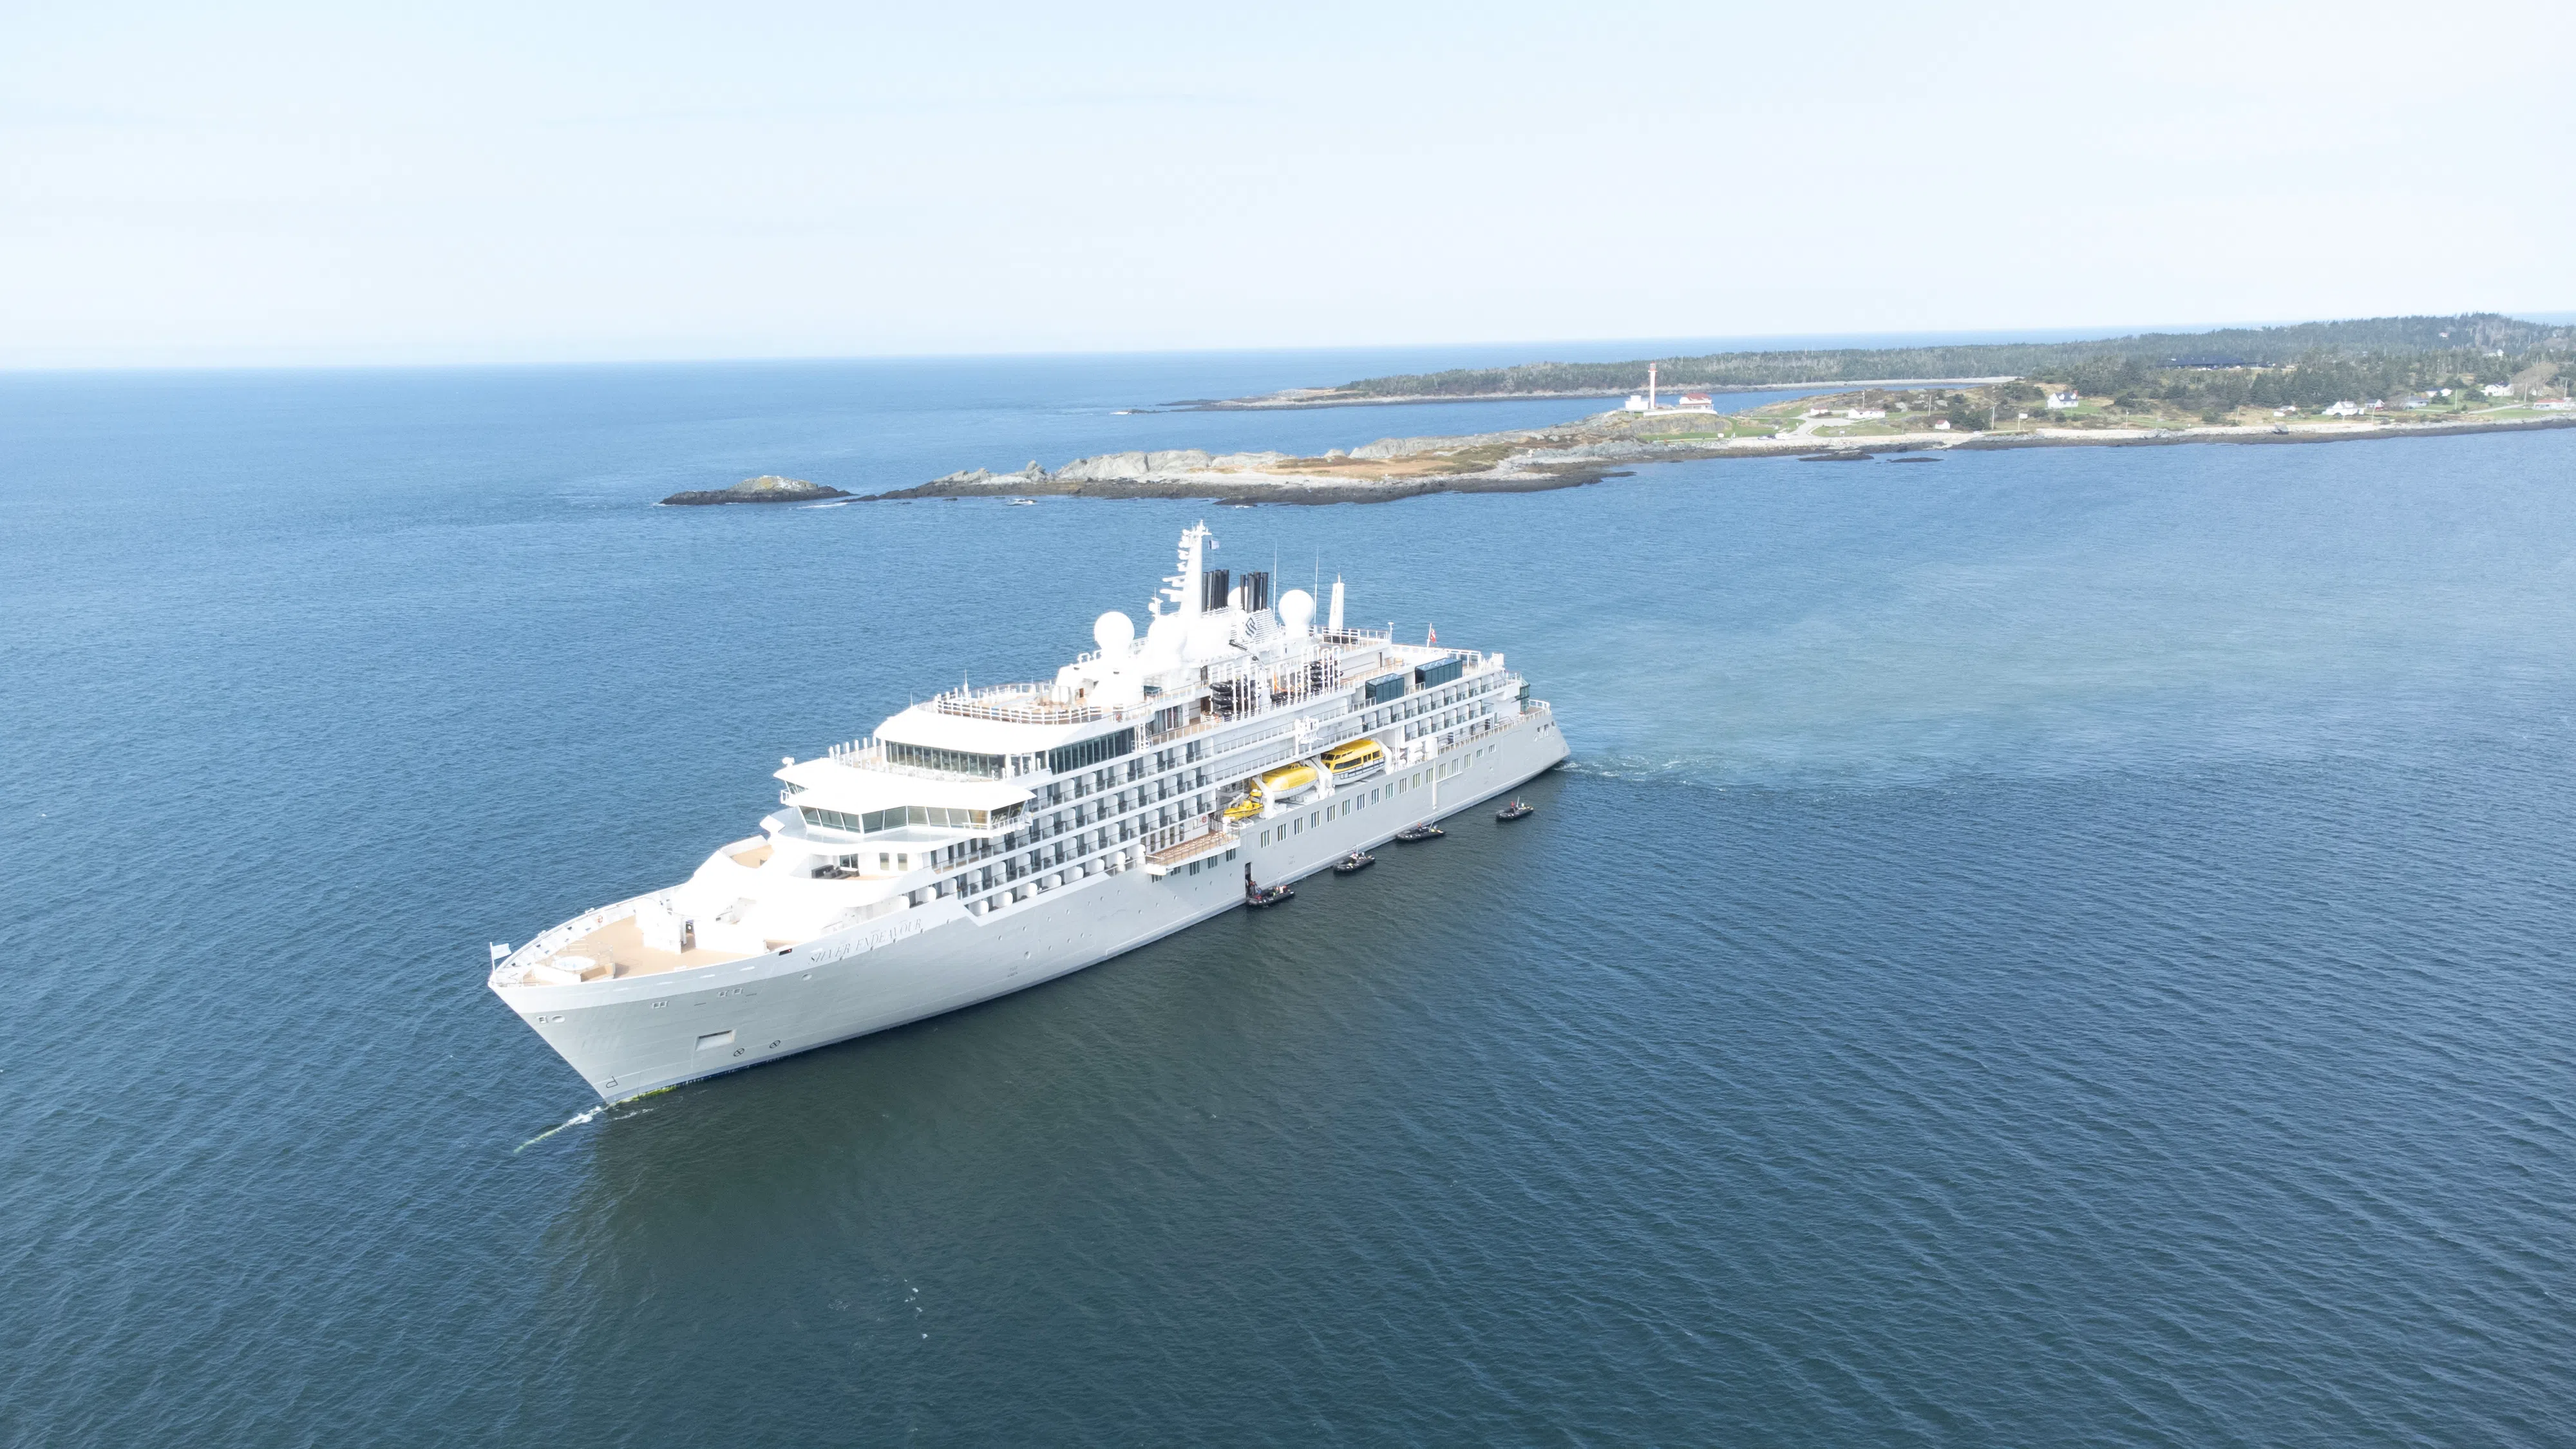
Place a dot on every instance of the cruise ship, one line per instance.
(992, 838)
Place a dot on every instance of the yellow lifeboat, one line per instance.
(1286, 780)
(1355, 757)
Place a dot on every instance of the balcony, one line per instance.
(1184, 846)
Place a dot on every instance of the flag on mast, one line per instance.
(1431, 636)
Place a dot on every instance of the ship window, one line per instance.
(1085, 753)
(947, 762)
(1265, 837)
(896, 817)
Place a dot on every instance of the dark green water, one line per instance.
(2037, 948)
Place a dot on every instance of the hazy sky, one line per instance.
(264, 182)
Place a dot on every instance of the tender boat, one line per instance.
(1262, 895)
(1412, 833)
(1354, 863)
(1514, 811)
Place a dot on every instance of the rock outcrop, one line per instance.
(767, 488)
(1134, 467)
(1387, 449)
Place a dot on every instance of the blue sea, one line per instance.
(2033, 948)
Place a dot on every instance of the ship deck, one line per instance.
(619, 945)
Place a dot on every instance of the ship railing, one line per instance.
(1032, 712)
(1451, 739)
(1199, 726)
(1284, 746)
(872, 757)
(554, 939)
(1177, 845)
(1035, 708)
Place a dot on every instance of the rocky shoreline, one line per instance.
(1606, 445)
(768, 488)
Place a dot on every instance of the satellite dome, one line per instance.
(1164, 637)
(1112, 632)
(1296, 610)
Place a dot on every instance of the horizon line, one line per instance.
(1955, 336)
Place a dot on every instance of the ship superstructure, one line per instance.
(991, 838)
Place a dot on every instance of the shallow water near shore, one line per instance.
(2051, 946)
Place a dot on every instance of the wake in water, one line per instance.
(572, 1121)
(576, 1120)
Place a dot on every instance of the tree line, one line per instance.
(2311, 380)
(2363, 356)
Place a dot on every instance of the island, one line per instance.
(767, 488)
(2313, 383)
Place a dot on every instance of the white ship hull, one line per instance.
(628, 1037)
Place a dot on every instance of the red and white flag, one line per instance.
(1432, 636)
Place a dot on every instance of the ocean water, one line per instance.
(2033, 948)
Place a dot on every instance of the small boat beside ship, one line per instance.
(1516, 810)
(1354, 863)
(1255, 894)
(1424, 831)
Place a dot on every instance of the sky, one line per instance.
(262, 183)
